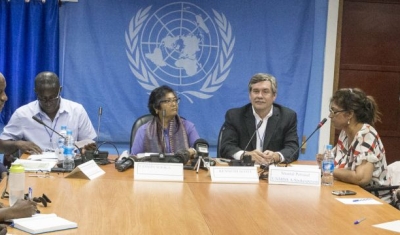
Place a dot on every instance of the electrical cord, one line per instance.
(105, 142)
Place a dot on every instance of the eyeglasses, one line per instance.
(50, 100)
(333, 112)
(170, 101)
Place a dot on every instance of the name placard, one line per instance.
(309, 176)
(89, 170)
(158, 171)
(234, 174)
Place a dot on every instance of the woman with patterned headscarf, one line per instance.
(167, 132)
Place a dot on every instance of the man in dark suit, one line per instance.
(276, 139)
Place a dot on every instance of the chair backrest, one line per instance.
(138, 123)
(393, 174)
(221, 131)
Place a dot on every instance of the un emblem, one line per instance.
(181, 45)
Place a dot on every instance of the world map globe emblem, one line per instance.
(180, 44)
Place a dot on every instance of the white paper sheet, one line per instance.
(34, 166)
(359, 201)
(43, 156)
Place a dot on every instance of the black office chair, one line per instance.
(138, 123)
(221, 131)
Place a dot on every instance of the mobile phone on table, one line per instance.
(343, 192)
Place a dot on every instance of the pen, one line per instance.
(30, 193)
(361, 199)
(359, 221)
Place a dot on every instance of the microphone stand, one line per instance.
(320, 124)
(265, 167)
(44, 124)
(251, 138)
(198, 163)
(98, 125)
(162, 155)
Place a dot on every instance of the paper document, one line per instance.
(43, 156)
(42, 223)
(359, 201)
(34, 166)
(391, 226)
(82, 143)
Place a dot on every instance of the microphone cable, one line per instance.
(106, 142)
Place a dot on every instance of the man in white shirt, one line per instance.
(52, 110)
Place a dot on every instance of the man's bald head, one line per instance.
(46, 80)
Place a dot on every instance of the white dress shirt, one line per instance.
(71, 114)
(260, 134)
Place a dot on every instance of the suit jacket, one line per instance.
(280, 135)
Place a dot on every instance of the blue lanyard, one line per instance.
(51, 132)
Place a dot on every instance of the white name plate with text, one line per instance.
(158, 171)
(234, 174)
(89, 170)
(298, 175)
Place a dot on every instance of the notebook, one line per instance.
(42, 223)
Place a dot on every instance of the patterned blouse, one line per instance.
(367, 145)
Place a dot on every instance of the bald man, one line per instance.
(52, 110)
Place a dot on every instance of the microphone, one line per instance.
(162, 131)
(100, 157)
(202, 159)
(181, 156)
(98, 124)
(41, 122)
(77, 161)
(320, 124)
(258, 126)
(201, 146)
(44, 124)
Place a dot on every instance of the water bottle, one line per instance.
(16, 182)
(328, 166)
(60, 145)
(69, 147)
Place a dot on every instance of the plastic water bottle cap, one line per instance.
(329, 147)
(69, 132)
(63, 127)
(16, 168)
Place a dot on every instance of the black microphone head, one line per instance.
(201, 146)
(200, 141)
(322, 122)
(37, 119)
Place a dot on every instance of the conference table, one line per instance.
(115, 203)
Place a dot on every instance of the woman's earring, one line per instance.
(348, 122)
